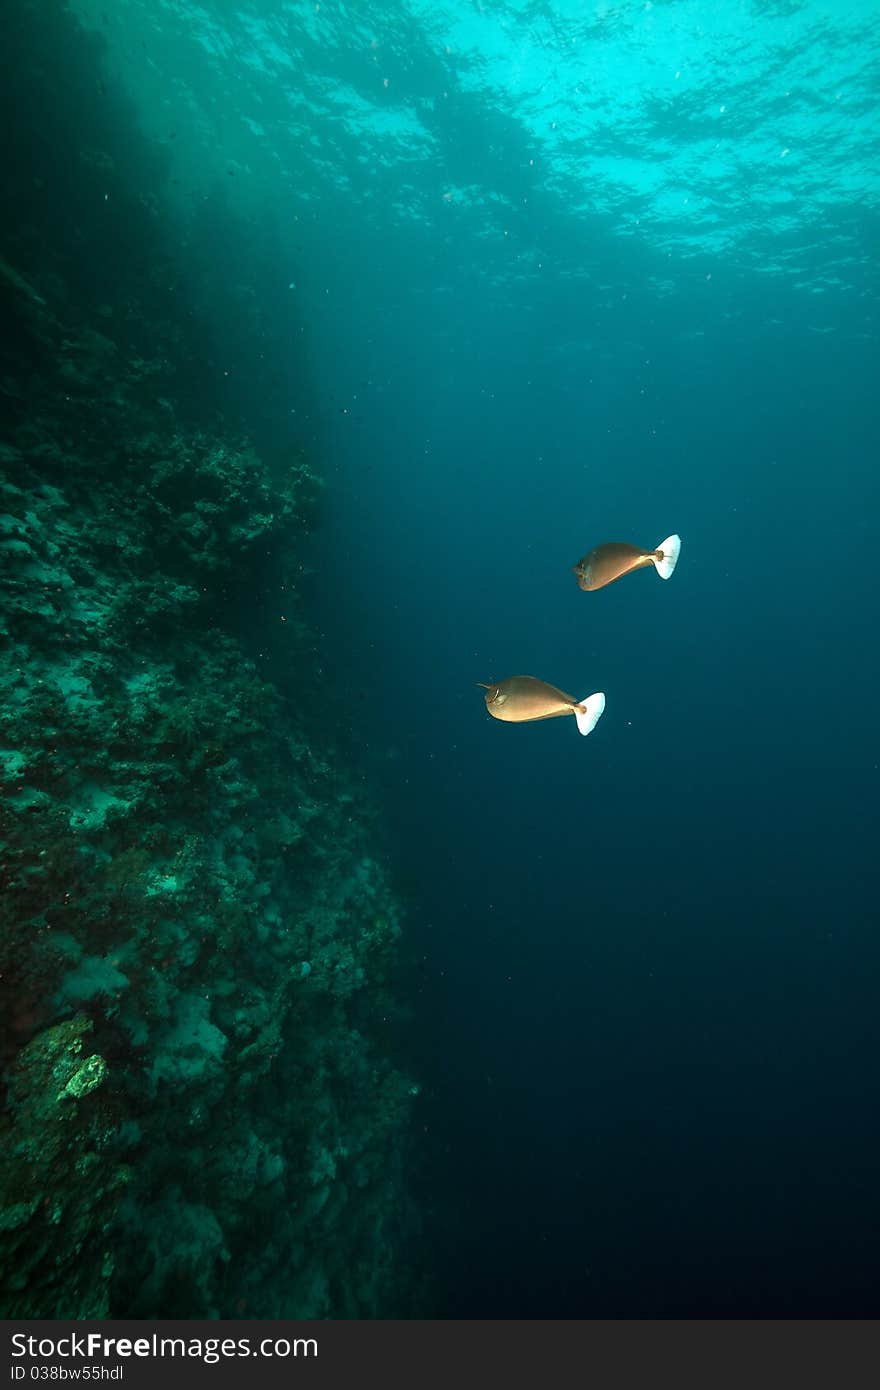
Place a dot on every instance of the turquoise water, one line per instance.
(735, 135)
(335, 336)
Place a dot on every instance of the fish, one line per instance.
(605, 563)
(521, 699)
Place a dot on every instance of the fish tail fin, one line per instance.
(666, 556)
(589, 712)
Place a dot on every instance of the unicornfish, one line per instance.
(521, 699)
(605, 563)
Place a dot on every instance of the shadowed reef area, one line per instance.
(200, 1114)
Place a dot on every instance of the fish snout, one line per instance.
(583, 574)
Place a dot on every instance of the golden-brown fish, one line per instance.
(520, 699)
(605, 563)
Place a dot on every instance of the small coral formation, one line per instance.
(60, 1176)
(201, 1115)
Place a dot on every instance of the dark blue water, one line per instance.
(525, 278)
(649, 960)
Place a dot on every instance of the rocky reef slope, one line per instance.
(200, 1117)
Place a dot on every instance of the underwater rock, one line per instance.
(185, 858)
(60, 1179)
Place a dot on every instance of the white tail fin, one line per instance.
(591, 713)
(668, 553)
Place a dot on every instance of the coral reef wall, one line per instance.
(200, 1114)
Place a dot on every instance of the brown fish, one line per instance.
(521, 699)
(605, 563)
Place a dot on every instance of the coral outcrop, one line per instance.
(60, 1175)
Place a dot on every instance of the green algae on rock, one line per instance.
(61, 1179)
